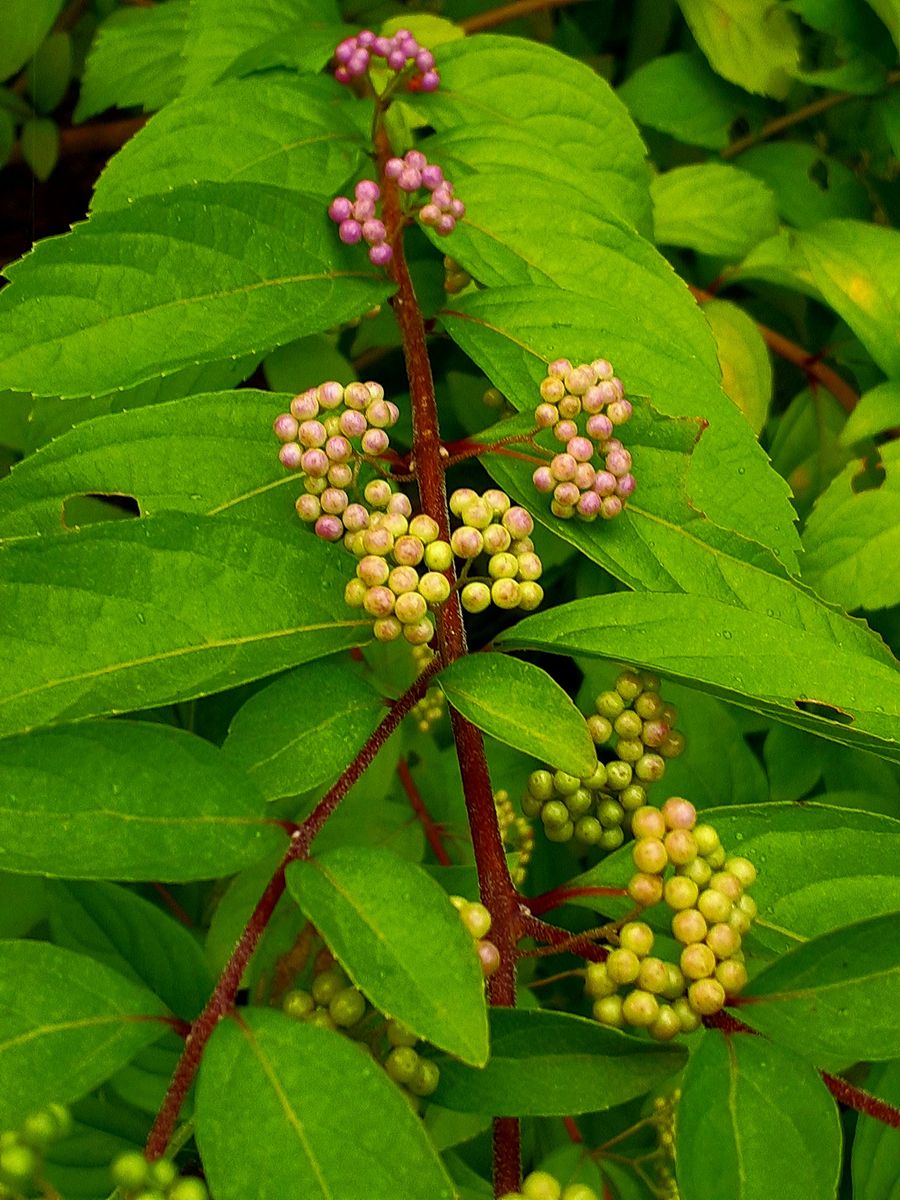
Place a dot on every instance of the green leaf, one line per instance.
(851, 538)
(655, 335)
(809, 677)
(305, 728)
(509, 82)
(392, 929)
(889, 11)
(78, 1166)
(149, 612)
(117, 927)
(287, 131)
(39, 140)
(878, 410)
(219, 32)
(25, 25)
(519, 704)
(157, 803)
(549, 1064)
(854, 265)
(255, 267)
(713, 208)
(835, 997)
(744, 359)
(66, 1024)
(876, 1147)
(740, 1098)
(135, 60)
(337, 1120)
(49, 72)
(751, 42)
(808, 185)
(205, 454)
(7, 136)
(679, 94)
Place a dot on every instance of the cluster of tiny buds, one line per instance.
(456, 278)
(663, 1115)
(430, 709)
(22, 1150)
(413, 172)
(357, 221)
(599, 809)
(354, 54)
(477, 921)
(540, 1185)
(516, 833)
(500, 531)
(138, 1179)
(591, 394)
(712, 913)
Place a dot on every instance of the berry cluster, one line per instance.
(456, 279)
(599, 809)
(428, 711)
(515, 833)
(540, 1185)
(138, 1179)
(21, 1150)
(357, 221)
(413, 172)
(499, 532)
(592, 392)
(705, 892)
(354, 54)
(477, 921)
(663, 1116)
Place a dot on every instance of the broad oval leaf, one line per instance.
(749, 42)
(25, 24)
(126, 800)
(714, 208)
(152, 611)
(341, 1127)
(546, 1064)
(740, 1097)
(744, 359)
(835, 997)
(392, 929)
(256, 266)
(66, 1024)
(811, 678)
(519, 704)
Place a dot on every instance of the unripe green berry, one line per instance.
(640, 1008)
(688, 1019)
(321, 1018)
(636, 936)
(610, 813)
(747, 905)
(425, 528)
(706, 996)
(732, 975)
(630, 750)
(680, 846)
(566, 784)
(438, 556)
(623, 966)
(674, 982)
(649, 767)
(540, 785)
(188, 1189)
(653, 975)
(680, 893)
(648, 823)
(611, 839)
(628, 724)
(648, 706)
(673, 745)
(645, 890)
(609, 705)
(580, 803)
(597, 778)
(426, 1078)
(531, 595)
(699, 870)
(541, 1186)
(475, 597)
(588, 831)
(327, 985)
(130, 1170)
(633, 797)
(697, 961)
(608, 1011)
(503, 566)
(347, 1008)
(434, 587)
(600, 729)
(743, 868)
(597, 982)
(629, 685)
(531, 806)
(39, 1129)
(739, 920)
(666, 1026)
(18, 1164)
(715, 906)
(401, 1064)
(618, 775)
(649, 855)
(716, 858)
(150, 1194)
(559, 833)
(578, 1191)
(505, 593)
(163, 1173)
(554, 814)
(689, 926)
(476, 918)
(706, 838)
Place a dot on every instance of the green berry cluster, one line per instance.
(541, 1185)
(684, 865)
(429, 710)
(138, 1179)
(633, 729)
(22, 1149)
(456, 279)
(477, 921)
(331, 1003)
(663, 1117)
(516, 833)
(498, 533)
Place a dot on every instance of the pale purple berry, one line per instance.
(429, 214)
(432, 176)
(610, 507)
(344, 50)
(599, 427)
(419, 634)
(350, 232)
(394, 168)
(605, 483)
(505, 593)
(496, 539)
(620, 411)
(467, 542)
(312, 433)
(589, 505)
(373, 570)
(367, 189)
(457, 208)
(566, 494)
(291, 455)
(585, 474)
(378, 541)
(559, 368)
(593, 400)
(353, 424)
(394, 411)
(380, 255)
(329, 528)
(379, 601)
(497, 501)
(442, 195)
(355, 518)
(545, 415)
(374, 231)
(305, 405)
(581, 449)
(399, 503)
(408, 550)
(338, 449)
(359, 62)
(460, 498)
(564, 511)
(430, 81)
(356, 396)
(334, 500)
(424, 60)
(308, 508)
(564, 431)
(379, 414)
(342, 75)
(562, 467)
(377, 492)
(409, 179)
(403, 579)
(626, 485)
(365, 38)
(315, 462)
(416, 159)
(578, 380)
(315, 485)
(530, 566)
(340, 209)
(330, 394)
(618, 462)
(387, 629)
(503, 566)
(363, 210)
(396, 59)
(285, 427)
(518, 521)
(425, 528)
(375, 441)
(602, 369)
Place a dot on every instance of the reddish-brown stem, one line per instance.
(815, 370)
(558, 896)
(510, 12)
(222, 999)
(559, 941)
(86, 139)
(573, 1131)
(495, 885)
(417, 804)
(172, 905)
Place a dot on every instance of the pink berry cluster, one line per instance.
(413, 172)
(354, 56)
(578, 488)
(357, 221)
(328, 431)
(685, 865)
(499, 531)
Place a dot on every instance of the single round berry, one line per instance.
(645, 890)
(475, 597)
(653, 975)
(689, 926)
(623, 966)
(608, 1011)
(689, 1020)
(327, 985)
(640, 1008)
(489, 957)
(476, 918)
(130, 1170)
(399, 1035)
(732, 975)
(540, 1185)
(401, 1064)
(743, 869)
(188, 1189)
(680, 893)
(706, 996)
(666, 1026)
(723, 940)
(650, 856)
(681, 847)
(697, 961)
(597, 982)
(298, 1004)
(347, 1007)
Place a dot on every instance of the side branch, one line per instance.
(509, 12)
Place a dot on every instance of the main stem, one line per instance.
(495, 885)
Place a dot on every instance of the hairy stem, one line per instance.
(417, 804)
(509, 12)
(558, 896)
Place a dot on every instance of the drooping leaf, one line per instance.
(338, 1121)
(741, 1097)
(744, 359)
(519, 704)
(751, 42)
(149, 612)
(40, 145)
(303, 729)
(712, 207)
(290, 132)
(117, 927)
(852, 538)
(50, 71)
(25, 25)
(154, 803)
(878, 410)
(547, 1063)
(806, 676)
(835, 997)
(876, 1146)
(391, 927)
(66, 1024)
(111, 304)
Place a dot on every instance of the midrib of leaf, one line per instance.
(22, 1039)
(732, 1112)
(138, 818)
(235, 500)
(328, 136)
(322, 725)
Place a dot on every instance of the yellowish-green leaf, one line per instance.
(751, 42)
(744, 359)
(714, 208)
